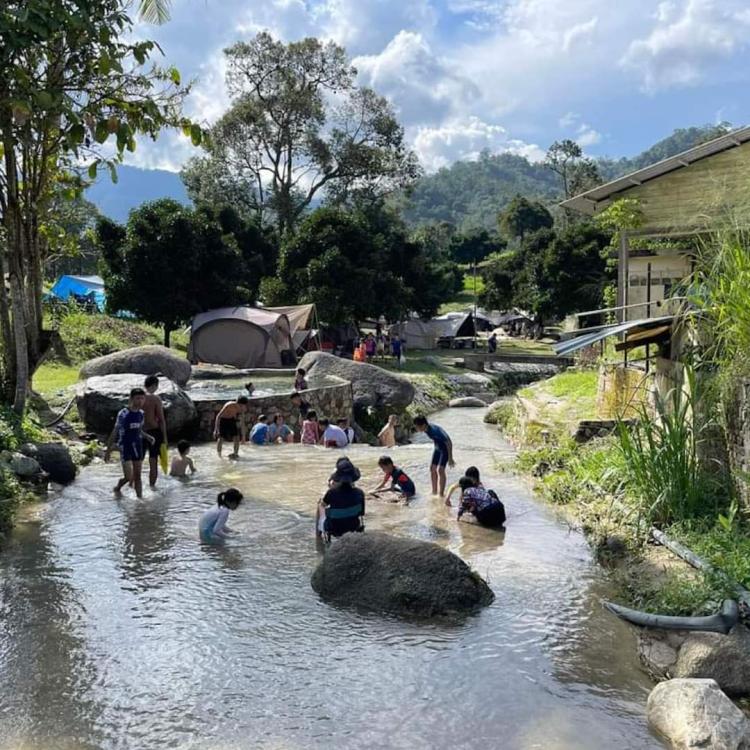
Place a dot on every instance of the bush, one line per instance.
(15, 430)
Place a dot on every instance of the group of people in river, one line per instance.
(140, 430)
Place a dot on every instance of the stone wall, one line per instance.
(332, 401)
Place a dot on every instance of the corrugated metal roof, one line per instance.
(564, 348)
(587, 202)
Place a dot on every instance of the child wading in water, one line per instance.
(387, 436)
(154, 424)
(226, 426)
(182, 462)
(130, 439)
(310, 432)
(213, 527)
(441, 456)
(399, 479)
(483, 504)
(473, 473)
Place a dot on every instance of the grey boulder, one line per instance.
(54, 458)
(371, 385)
(466, 401)
(694, 714)
(143, 360)
(22, 466)
(409, 577)
(99, 399)
(723, 658)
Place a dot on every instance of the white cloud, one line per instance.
(587, 136)
(687, 40)
(465, 139)
(578, 32)
(568, 120)
(422, 87)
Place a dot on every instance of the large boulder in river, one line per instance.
(54, 458)
(145, 360)
(99, 399)
(724, 658)
(385, 573)
(696, 714)
(371, 385)
(466, 402)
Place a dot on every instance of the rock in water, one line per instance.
(144, 360)
(466, 401)
(402, 576)
(696, 714)
(99, 399)
(371, 385)
(54, 458)
(723, 658)
(24, 466)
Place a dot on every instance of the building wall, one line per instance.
(667, 271)
(333, 401)
(706, 194)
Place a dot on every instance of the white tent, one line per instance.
(416, 332)
(303, 323)
(242, 337)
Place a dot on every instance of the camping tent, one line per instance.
(241, 337)
(416, 332)
(303, 321)
(91, 287)
(453, 325)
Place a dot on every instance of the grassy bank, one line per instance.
(85, 336)
(616, 488)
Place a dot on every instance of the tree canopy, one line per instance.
(523, 216)
(172, 262)
(553, 274)
(300, 127)
(72, 79)
(359, 264)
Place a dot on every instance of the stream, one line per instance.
(118, 630)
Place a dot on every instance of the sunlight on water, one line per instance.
(121, 631)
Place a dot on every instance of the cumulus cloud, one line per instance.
(465, 139)
(422, 86)
(687, 40)
(578, 32)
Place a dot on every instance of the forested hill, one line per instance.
(470, 194)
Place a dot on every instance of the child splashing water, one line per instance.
(400, 482)
(212, 527)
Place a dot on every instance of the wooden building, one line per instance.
(704, 189)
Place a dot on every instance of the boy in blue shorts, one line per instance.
(400, 481)
(130, 438)
(441, 456)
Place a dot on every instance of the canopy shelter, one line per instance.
(635, 333)
(453, 325)
(304, 325)
(80, 288)
(242, 337)
(417, 333)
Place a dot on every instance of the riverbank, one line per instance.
(587, 481)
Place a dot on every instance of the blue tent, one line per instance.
(80, 286)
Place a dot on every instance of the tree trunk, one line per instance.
(21, 345)
(167, 334)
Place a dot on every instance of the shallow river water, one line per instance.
(118, 630)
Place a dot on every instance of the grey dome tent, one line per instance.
(416, 332)
(242, 337)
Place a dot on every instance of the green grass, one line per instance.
(465, 298)
(53, 377)
(566, 398)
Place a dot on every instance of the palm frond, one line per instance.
(154, 11)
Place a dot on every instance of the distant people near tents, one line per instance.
(397, 349)
(492, 343)
(227, 425)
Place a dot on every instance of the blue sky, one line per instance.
(508, 75)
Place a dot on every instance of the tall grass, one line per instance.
(663, 469)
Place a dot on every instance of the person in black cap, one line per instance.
(343, 504)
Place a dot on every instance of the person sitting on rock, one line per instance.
(399, 479)
(300, 384)
(483, 504)
(343, 504)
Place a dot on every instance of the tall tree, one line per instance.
(474, 246)
(171, 263)
(577, 172)
(521, 217)
(71, 78)
(299, 126)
